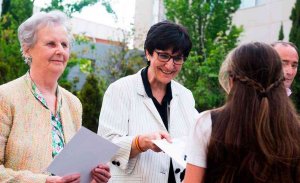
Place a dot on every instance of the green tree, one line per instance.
(294, 37)
(13, 7)
(281, 33)
(209, 23)
(14, 12)
(91, 96)
(295, 30)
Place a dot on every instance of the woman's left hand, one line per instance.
(101, 174)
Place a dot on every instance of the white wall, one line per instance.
(262, 23)
(96, 30)
(93, 29)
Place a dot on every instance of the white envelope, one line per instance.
(82, 154)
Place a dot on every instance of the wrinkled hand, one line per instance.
(73, 178)
(145, 141)
(101, 174)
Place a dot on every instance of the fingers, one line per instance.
(100, 177)
(75, 181)
(101, 173)
(165, 135)
(145, 141)
(73, 178)
(104, 166)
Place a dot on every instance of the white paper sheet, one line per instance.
(176, 149)
(83, 153)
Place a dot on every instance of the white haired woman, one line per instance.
(37, 116)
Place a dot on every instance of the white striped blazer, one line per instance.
(127, 111)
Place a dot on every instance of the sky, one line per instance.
(124, 10)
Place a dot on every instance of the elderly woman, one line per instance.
(37, 116)
(255, 136)
(150, 105)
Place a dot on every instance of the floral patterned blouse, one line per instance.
(57, 133)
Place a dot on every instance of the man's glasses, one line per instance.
(164, 57)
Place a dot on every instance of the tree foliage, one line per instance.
(209, 23)
(91, 96)
(14, 12)
(294, 37)
(70, 8)
(18, 9)
(295, 30)
(281, 33)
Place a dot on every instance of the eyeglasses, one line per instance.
(164, 57)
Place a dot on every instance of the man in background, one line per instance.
(288, 53)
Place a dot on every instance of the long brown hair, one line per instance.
(256, 134)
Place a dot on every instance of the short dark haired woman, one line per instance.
(150, 105)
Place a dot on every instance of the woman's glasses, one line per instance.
(164, 57)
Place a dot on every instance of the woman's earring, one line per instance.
(28, 60)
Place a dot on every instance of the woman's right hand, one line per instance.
(145, 141)
(73, 178)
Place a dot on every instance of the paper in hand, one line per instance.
(82, 154)
(176, 149)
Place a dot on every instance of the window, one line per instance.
(250, 3)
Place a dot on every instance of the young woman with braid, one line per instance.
(255, 136)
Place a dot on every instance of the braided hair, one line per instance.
(256, 134)
(263, 92)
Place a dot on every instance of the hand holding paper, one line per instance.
(82, 154)
(65, 179)
(101, 173)
(175, 149)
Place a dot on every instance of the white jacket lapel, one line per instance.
(148, 101)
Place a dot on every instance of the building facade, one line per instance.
(262, 19)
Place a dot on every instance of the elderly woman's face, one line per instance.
(165, 65)
(51, 51)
